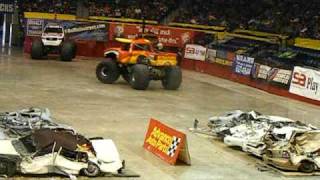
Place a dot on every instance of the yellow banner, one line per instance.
(307, 43)
(38, 15)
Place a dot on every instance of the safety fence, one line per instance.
(296, 82)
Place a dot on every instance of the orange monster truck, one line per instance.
(138, 63)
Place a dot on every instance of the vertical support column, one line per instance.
(10, 35)
(4, 30)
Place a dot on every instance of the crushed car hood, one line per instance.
(7, 148)
(107, 154)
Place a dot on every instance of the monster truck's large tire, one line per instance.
(74, 49)
(139, 77)
(173, 78)
(7, 168)
(108, 71)
(92, 171)
(67, 51)
(125, 73)
(307, 167)
(37, 49)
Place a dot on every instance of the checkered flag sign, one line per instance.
(173, 147)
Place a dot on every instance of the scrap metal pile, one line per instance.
(281, 142)
(30, 143)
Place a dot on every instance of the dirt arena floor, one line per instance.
(75, 97)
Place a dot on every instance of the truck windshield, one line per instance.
(141, 47)
(53, 30)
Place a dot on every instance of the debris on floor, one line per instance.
(22, 122)
(281, 142)
(32, 144)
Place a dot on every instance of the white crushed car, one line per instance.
(300, 153)
(59, 151)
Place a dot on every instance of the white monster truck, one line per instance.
(53, 40)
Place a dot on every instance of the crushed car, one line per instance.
(300, 153)
(282, 142)
(22, 122)
(59, 151)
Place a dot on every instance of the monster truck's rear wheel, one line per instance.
(37, 49)
(7, 168)
(307, 167)
(92, 171)
(67, 52)
(125, 73)
(173, 78)
(139, 77)
(107, 71)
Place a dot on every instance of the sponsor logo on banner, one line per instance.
(35, 27)
(195, 52)
(243, 65)
(168, 36)
(272, 75)
(6, 6)
(167, 143)
(305, 82)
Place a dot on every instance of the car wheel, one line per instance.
(173, 78)
(307, 167)
(37, 49)
(92, 171)
(67, 51)
(107, 71)
(7, 168)
(139, 77)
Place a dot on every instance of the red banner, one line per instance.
(168, 36)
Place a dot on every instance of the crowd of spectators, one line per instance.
(51, 6)
(151, 10)
(291, 17)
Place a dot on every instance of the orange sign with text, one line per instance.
(167, 143)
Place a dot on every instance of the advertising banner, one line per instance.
(168, 36)
(243, 65)
(305, 82)
(195, 52)
(166, 143)
(73, 29)
(219, 57)
(272, 75)
(35, 27)
(211, 55)
(6, 6)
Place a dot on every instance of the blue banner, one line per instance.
(243, 65)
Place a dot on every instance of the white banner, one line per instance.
(195, 52)
(305, 82)
(211, 55)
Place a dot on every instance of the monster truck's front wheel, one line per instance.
(173, 78)
(139, 77)
(37, 49)
(67, 52)
(107, 71)
(7, 168)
